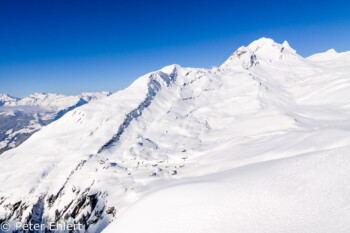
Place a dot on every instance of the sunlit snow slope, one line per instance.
(259, 144)
(20, 118)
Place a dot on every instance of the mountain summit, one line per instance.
(265, 133)
(263, 50)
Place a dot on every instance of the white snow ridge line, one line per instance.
(260, 144)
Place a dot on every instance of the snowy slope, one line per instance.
(20, 118)
(305, 193)
(264, 108)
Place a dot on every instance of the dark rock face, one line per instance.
(86, 210)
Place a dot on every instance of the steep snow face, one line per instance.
(20, 118)
(178, 124)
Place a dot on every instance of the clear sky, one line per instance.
(72, 46)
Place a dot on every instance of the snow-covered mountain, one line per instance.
(260, 144)
(20, 118)
(8, 100)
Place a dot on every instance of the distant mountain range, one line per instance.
(20, 118)
(259, 144)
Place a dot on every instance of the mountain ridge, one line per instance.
(173, 124)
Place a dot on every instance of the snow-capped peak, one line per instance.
(262, 42)
(331, 51)
(329, 55)
(50, 100)
(262, 50)
(5, 98)
(286, 44)
(170, 68)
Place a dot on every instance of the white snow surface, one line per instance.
(298, 194)
(260, 144)
(28, 115)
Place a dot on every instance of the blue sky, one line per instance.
(68, 47)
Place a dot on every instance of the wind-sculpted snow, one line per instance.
(297, 194)
(178, 125)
